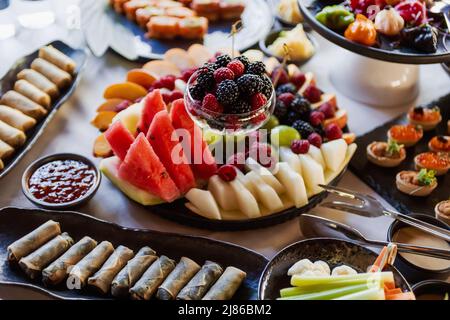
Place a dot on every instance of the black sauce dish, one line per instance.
(60, 205)
(431, 290)
(413, 272)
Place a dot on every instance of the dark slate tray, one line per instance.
(382, 180)
(78, 225)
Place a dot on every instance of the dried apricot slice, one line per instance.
(110, 104)
(141, 77)
(103, 119)
(127, 91)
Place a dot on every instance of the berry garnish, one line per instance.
(223, 74)
(258, 68)
(222, 60)
(227, 172)
(197, 92)
(237, 160)
(205, 78)
(283, 76)
(315, 139)
(227, 92)
(237, 67)
(287, 87)
(175, 95)
(286, 97)
(327, 109)
(259, 118)
(210, 103)
(302, 107)
(187, 74)
(313, 94)
(244, 60)
(249, 84)
(332, 131)
(167, 82)
(266, 87)
(280, 109)
(166, 96)
(257, 101)
(300, 146)
(316, 118)
(239, 106)
(298, 79)
(303, 127)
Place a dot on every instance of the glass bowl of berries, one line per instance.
(230, 95)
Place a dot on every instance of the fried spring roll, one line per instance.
(18, 101)
(57, 271)
(59, 59)
(133, 270)
(33, 263)
(90, 263)
(39, 81)
(59, 77)
(227, 285)
(5, 150)
(152, 279)
(102, 279)
(177, 279)
(32, 92)
(12, 136)
(201, 282)
(16, 118)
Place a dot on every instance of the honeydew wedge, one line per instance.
(247, 202)
(316, 154)
(313, 174)
(334, 153)
(254, 55)
(265, 175)
(294, 184)
(331, 175)
(204, 201)
(223, 193)
(130, 117)
(245, 180)
(286, 155)
(265, 194)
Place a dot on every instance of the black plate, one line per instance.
(382, 180)
(333, 251)
(7, 83)
(79, 225)
(385, 52)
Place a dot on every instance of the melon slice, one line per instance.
(162, 68)
(247, 202)
(223, 193)
(334, 153)
(143, 169)
(254, 55)
(316, 154)
(313, 174)
(265, 175)
(152, 104)
(331, 175)
(165, 142)
(119, 138)
(204, 201)
(294, 184)
(110, 168)
(200, 54)
(130, 117)
(266, 195)
(286, 155)
(247, 184)
(180, 58)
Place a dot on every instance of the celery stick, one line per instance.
(300, 281)
(329, 294)
(369, 294)
(295, 291)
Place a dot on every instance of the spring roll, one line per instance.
(58, 58)
(33, 263)
(18, 101)
(33, 240)
(1, 164)
(201, 282)
(103, 278)
(147, 285)
(59, 77)
(177, 279)
(133, 270)
(227, 285)
(5, 150)
(32, 92)
(57, 271)
(39, 81)
(12, 136)
(90, 264)
(16, 118)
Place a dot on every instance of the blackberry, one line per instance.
(210, 66)
(258, 68)
(227, 92)
(267, 87)
(280, 109)
(205, 79)
(287, 87)
(303, 127)
(302, 107)
(245, 61)
(197, 92)
(240, 106)
(249, 84)
(290, 118)
(222, 61)
(320, 131)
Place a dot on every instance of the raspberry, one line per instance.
(175, 95)
(227, 172)
(286, 97)
(257, 101)
(316, 118)
(210, 103)
(298, 79)
(232, 123)
(166, 97)
(259, 119)
(258, 68)
(315, 139)
(223, 74)
(167, 82)
(227, 92)
(327, 109)
(300, 146)
(237, 67)
(187, 74)
(249, 84)
(282, 78)
(333, 132)
(313, 94)
(237, 160)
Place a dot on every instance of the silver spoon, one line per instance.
(314, 226)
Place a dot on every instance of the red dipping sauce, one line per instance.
(62, 181)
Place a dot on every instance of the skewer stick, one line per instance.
(286, 57)
(235, 28)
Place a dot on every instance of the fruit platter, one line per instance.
(397, 31)
(259, 162)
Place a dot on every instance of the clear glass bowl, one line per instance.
(227, 123)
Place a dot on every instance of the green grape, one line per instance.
(271, 123)
(283, 135)
(211, 137)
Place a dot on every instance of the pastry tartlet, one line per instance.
(436, 161)
(408, 135)
(386, 154)
(427, 118)
(440, 144)
(442, 211)
(418, 184)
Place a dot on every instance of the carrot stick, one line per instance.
(376, 265)
(389, 292)
(401, 296)
(389, 285)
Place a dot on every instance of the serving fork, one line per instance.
(368, 206)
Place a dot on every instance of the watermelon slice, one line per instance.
(202, 161)
(119, 138)
(153, 103)
(170, 151)
(143, 169)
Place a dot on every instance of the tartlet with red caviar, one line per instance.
(440, 144)
(408, 134)
(436, 161)
(427, 118)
